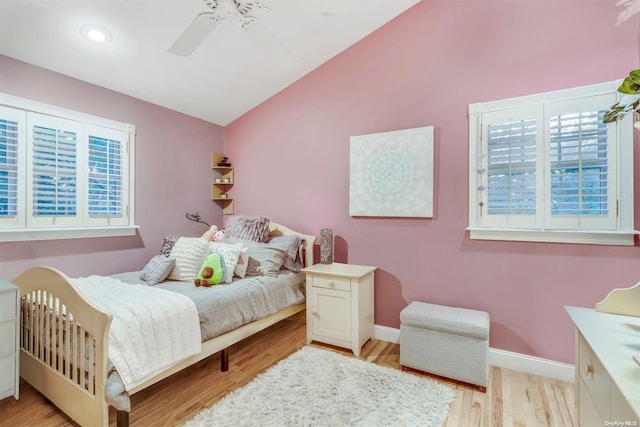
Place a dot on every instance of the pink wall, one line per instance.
(291, 156)
(173, 175)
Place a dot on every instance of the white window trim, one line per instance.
(623, 235)
(54, 233)
(32, 234)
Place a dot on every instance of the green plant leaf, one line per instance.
(631, 84)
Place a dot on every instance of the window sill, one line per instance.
(590, 237)
(22, 235)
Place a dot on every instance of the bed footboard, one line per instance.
(63, 343)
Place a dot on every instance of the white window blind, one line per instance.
(12, 132)
(107, 192)
(581, 165)
(8, 168)
(579, 160)
(63, 174)
(548, 164)
(508, 173)
(53, 171)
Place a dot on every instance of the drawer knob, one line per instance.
(332, 285)
(590, 369)
(314, 312)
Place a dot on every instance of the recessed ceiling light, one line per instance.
(95, 34)
(327, 14)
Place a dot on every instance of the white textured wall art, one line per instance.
(391, 173)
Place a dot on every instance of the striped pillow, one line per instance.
(157, 269)
(254, 228)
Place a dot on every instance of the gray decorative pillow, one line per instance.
(157, 269)
(265, 259)
(254, 228)
(293, 261)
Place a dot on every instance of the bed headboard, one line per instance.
(280, 230)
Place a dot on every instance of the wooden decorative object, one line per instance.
(326, 246)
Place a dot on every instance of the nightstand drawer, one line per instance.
(336, 283)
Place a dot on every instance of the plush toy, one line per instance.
(212, 271)
(218, 236)
(208, 235)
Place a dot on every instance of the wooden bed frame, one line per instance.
(81, 393)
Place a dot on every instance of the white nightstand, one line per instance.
(9, 347)
(340, 304)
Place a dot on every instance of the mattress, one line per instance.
(221, 308)
(225, 307)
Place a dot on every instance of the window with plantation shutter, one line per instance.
(547, 168)
(53, 171)
(107, 192)
(10, 135)
(63, 174)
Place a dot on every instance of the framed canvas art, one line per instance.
(391, 174)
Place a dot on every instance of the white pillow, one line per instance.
(230, 253)
(243, 263)
(189, 252)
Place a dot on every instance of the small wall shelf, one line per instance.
(222, 184)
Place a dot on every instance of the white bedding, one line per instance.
(152, 329)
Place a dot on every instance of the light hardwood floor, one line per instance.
(512, 399)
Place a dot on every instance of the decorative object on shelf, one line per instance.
(326, 246)
(391, 174)
(224, 162)
(223, 195)
(196, 218)
(218, 179)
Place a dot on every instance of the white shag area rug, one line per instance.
(315, 387)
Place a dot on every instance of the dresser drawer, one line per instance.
(620, 408)
(336, 283)
(587, 413)
(7, 306)
(7, 338)
(596, 379)
(7, 374)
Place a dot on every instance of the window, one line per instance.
(547, 168)
(63, 174)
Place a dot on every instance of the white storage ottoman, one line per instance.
(447, 341)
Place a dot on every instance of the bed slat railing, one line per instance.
(64, 352)
(49, 334)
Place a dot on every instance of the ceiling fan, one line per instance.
(220, 10)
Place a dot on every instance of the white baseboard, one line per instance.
(502, 358)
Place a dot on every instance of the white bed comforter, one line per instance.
(152, 329)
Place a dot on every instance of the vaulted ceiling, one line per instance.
(232, 69)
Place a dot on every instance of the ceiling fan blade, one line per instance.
(194, 34)
(262, 37)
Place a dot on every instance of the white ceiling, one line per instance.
(226, 76)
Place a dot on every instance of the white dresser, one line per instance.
(340, 304)
(9, 345)
(607, 376)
